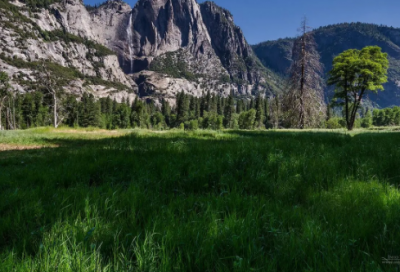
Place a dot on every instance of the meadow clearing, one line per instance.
(135, 200)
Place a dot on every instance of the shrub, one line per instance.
(334, 123)
(193, 125)
(247, 119)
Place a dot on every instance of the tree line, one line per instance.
(35, 109)
(354, 74)
(209, 111)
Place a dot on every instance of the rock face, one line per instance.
(230, 45)
(333, 40)
(161, 26)
(157, 48)
(160, 35)
(64, 38)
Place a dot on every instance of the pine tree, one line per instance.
(213, 106)
(266, 111)
(202, 105)
(259, 111)
(239, 106)
(182, 108)
(192, 107)
(229, 111)
(138, 114)
(124, 115)
(166, 111)
(252, 104)
(219, 106)
(198, 108)
(208, 101)
(93, 111)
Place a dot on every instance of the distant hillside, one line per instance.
(334, 39)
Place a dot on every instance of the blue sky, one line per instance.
(263, 20)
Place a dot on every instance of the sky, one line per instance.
(263, 20)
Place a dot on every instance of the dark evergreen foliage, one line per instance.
(189, 112)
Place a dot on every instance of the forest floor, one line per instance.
(136, 200)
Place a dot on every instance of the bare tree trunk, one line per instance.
(8, 116)
(55, 110)
(357, 102)
(15, 123)
(1, 110)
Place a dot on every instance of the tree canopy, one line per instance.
(354, 73)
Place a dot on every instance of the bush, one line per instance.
(366, 122)
(193, 125)
(334, 123)
(247, 119)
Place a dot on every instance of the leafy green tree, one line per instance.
(366, 122)
(193, 125)
(212, 121)
(354, 73)
(396, 116)
(247, 119)
(158, 120)
(333, 123)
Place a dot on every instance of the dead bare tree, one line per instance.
(4, 93)
(303, 104)
(50, 85)
(275, 111)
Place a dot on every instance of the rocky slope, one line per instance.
(179, 39)
(231, 46)
(156, 49)
(66, 45)
(331, 41)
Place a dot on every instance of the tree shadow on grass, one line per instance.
(90, 190)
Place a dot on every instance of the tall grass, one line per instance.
(200, 201)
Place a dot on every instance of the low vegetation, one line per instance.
(60, 35)
(173, 64)
(198, 201)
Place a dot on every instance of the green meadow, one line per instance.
(135, 200)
